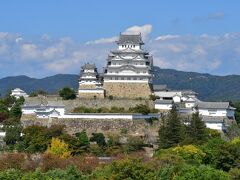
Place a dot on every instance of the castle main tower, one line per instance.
(128, 73)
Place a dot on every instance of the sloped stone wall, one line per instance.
(127, 90)
(106, 126)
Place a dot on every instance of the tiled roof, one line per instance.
(160, 101)
(213, 105)
(89, 66)
(130, 38)
(159, 87)
(212, 119)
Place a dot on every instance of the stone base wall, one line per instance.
(105, 126)
(90, 95)
(127, 90)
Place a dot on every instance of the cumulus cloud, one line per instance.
(45, 55)
(145, 30)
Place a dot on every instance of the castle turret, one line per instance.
(89, 85)
(128, 73)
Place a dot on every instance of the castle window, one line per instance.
(122, 78)
(134, 78)
(116, 78)
(134, 46)
(128, 78)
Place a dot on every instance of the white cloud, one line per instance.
(47, 56)
(103, 40)
(145, 30)
(29, 52)
(166, 37)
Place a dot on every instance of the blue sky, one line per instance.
(41, 38)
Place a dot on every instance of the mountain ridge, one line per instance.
(209, 87)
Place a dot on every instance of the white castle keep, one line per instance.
(128, 73)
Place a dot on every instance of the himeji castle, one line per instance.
(128, 73)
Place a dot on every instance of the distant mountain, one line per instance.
(208, 86)
(50, 84)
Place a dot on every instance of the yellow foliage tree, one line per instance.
(189, 152)
(59, 148)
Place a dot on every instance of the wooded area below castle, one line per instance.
(184, 150)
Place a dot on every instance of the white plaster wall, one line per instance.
(216, 126)
(218, 112)
(98, 116)
(163, 106)
(137, 47)
(28, 110)
(176, 99)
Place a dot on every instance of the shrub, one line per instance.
(59, 148)
(99, 138)
(190, 153)
(11, 161)
(134, 143)
(235, 173)
(125, 169)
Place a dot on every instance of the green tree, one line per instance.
(170, 132)
(4, 113)
(237, 112)
(198, 173)
(13, 130)
(16, 111)
(36, 138)
(125, 169)
(83, 138)
(67, 93)
(99, 138)
(197, 128)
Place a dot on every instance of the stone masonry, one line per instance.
(130, 90)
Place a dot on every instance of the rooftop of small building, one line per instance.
(212, 119)
(163, 101)
(17, 90)
(159, 87)
(130, 38)
(214, 105)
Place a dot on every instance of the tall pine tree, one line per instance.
(170, 130)
(197, 128)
